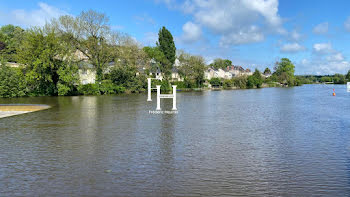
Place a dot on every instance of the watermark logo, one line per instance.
(162, 96)
(348, 86)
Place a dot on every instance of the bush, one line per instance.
(89, 89)
(215, 82)
(63, 89)
(228, 83)
(108, 87)
(180, 84)
(12, 83)
(240, 82)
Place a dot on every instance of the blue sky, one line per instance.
(315, 35)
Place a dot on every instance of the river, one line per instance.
(259, 142)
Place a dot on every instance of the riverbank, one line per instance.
(17, 109)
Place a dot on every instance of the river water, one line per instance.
(273, 141)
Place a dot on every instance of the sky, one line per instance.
(313, 34)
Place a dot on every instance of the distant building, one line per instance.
(238, 71)
(87, 73)
(175, 75)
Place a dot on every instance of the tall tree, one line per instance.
(284, 70)
(91, 34)
(167, 46)
(255, 80)
(192, 68)
(40, 52)
(10, 40)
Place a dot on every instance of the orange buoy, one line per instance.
(333, 92)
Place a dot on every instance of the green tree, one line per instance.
(284, 70)
(221, 63)
(10, 40)
(267, 71)
(192, 68)
(255, 80)
(157, 56)
(339, 79)
(348, 76)
(215, 82)
(167, 46)
(12, 83)
(68, 78)
(90, 34)
(42, 54)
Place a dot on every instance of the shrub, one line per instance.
(228, 83)
(240, 82)
(12, 83)
(63, 89)
(89, 89)
(108, 87)
(215, 82)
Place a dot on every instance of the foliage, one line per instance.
(89, 89)
(284, 71)
(348, 76)
(125, 76)
(10, 40)
(181, 84)
(255, 80)
(167, 46)
(91, 35)
(221, 63)
(228, 83)
(267, 71)
(192, 69)
(68, 78)
(39, 53)
(215, 82)
(241, 82)
(339, 79)
(108, 87)
(157, 56)
(12, 82)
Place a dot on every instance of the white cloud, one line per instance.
(294, 35)
(335, 57)
(330, 61)
(234, 21)
(323, 48)
(292, 48)
(321, 28)
(347, 24)
(244, 36)
(191, 32)
(37, 17)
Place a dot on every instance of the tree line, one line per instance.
(50, 59)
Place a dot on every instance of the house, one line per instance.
(175, 75)
(238, 71)
(87, 73)
(209, 73)
(219, 73)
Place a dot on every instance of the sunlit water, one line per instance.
(273, 141)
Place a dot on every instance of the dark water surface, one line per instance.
(274, 141)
